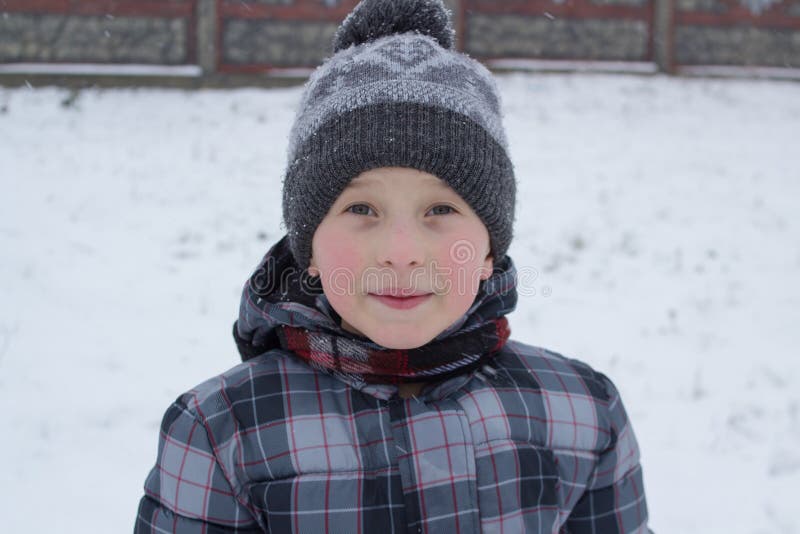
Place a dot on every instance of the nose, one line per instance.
(401, 246)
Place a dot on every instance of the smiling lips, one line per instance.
(399, 300)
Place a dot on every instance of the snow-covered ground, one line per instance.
(657, 226)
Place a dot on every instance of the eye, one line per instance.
(439, 211)
(359, 209)
(365, 209)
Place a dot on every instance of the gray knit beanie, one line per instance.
(396, 94)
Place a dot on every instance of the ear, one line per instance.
(312, 268)
(488, 266)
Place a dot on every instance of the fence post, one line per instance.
(456, 8)
(663, 33)
(207, 36)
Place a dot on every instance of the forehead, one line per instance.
(377, 181)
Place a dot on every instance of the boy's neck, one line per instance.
(409, 390)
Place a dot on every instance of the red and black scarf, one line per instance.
(435, 360)
(283, 308)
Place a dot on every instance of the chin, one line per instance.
(399, 340)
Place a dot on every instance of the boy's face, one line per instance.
(401, 231)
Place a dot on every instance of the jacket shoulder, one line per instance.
(245, 411)
(554, 371)
(574, 400)
(263, 377)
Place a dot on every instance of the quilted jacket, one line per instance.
(531, 442)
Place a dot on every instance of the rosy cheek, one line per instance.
(347, 258)
(338, 259)
(460, 271)
(341, 256)
(335, 249)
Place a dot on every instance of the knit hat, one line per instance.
(395, 93)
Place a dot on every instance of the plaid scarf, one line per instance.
(433, 361)
(282, 307)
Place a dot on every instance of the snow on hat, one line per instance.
(395, 93)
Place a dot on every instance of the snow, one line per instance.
(571, 65)
(657, 232)
(95, 69)
(787, 73)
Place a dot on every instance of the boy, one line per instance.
(379, 390)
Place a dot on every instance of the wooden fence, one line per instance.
(257, 38)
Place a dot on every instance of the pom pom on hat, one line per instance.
(372, 19)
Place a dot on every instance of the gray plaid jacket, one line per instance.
(533, 443)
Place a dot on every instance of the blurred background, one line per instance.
(211, 42)
(142, 147)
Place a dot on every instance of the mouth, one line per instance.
(402, 302)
